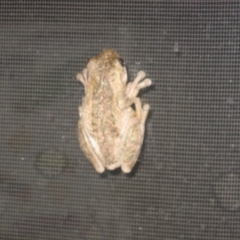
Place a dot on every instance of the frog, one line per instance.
(112, 118)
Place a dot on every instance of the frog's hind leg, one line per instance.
(142, 112)
(135, 136)
(90, 148)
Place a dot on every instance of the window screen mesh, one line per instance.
(186, 184)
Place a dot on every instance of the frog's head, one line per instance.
(108, 65)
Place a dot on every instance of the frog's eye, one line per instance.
(122, 62)
(88, 61)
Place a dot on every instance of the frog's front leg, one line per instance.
(90, 147)
(139, 82)
(134, 135)
(82, 77)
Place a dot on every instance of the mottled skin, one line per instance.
(110, 130)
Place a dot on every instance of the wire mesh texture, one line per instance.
(186, 184)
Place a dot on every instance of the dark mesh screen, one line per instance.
(186, 184)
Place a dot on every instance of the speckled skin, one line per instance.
(110, 130)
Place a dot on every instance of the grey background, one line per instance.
(186, 183)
